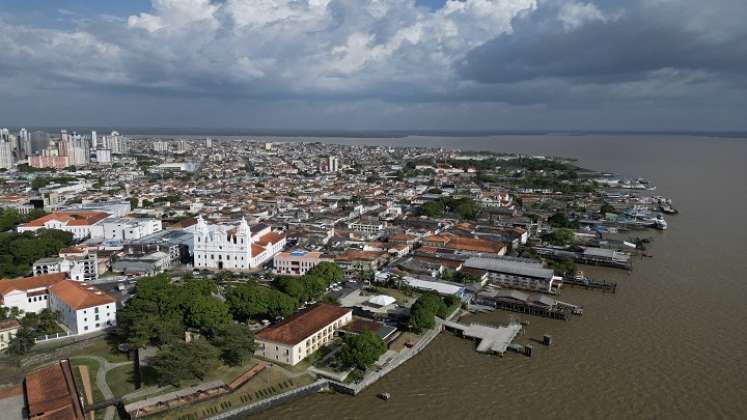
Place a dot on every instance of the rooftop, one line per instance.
(70, 218)
(28, 283)
(51, 393)
(79, 295)
(302, 325)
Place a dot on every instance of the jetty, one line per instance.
(494, 340)
(588, 283)
(589, 256)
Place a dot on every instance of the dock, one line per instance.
(588, 283)
(495, 340)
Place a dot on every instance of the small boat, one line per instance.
(384, 396)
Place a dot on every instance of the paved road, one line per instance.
(104, 367)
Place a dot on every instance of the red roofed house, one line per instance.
(51, 393)
(79, 223)
(300, 335)
(81, 307)
(29, 294)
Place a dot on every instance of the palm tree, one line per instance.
(22, 342)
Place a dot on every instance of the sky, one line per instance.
(375, 64)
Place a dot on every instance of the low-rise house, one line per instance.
(298, 262)
(8, 330)
(80, 264)
(28, 294)
(145, 264)
(300, 335)
(51, 393)
(354, 260)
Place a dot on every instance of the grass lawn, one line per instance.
(270, 381)
(93, 367)
(121, 380)
(102, 348)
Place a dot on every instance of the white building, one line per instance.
(103, 156)
(82, 224)
(6, 155)
(234, 247)
(8, 330)
(334, 164)
(77, 262)
(366, 225)
(28, 294)
(121, 229)
(300, 335)
(297, 263)
(81, 307)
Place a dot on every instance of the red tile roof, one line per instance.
(28, 283)
(9, 324)
(70, 218)
(302, 325)
(51, 393)
(269, 238)
(79, 295)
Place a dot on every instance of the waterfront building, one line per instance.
(297, 263)
(234, 247)
(517, 273)
(82, 224)
(8, 330)
(300, 335)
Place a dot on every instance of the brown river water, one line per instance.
(670, 344)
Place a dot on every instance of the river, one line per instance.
(671, 344)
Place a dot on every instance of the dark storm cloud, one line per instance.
(628, 45)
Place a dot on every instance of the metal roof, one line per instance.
(509, 266)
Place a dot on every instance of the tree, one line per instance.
(560, 220)
(235, 343)
(327, 270)
(560, 237)
(205, 313)
(252, 301)
(362, 350)
(181, 361)
(22, 342)
(607, 208)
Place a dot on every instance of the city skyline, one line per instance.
(413, 65)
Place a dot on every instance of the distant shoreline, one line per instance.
(197, 131)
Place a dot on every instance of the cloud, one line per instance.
(390, 57)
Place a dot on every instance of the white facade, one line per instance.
(291, 353)
(234, 248)
(6, 155)
(82, 224)
(8, 330)
(297, 263)
(83, 318)
(103, 156)
(79, 264)
(129, 229)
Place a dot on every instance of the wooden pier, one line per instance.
(587, 283)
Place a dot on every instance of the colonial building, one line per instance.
(297, 337)
(297, 263)
(82, 224)
(81, 307)
(28, 294)
(234, 247)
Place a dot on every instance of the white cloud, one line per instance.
(575, 14)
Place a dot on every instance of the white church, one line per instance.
(234, 247)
